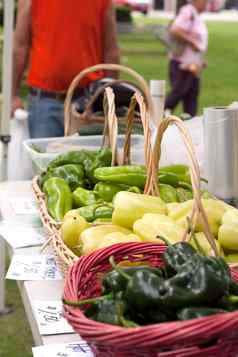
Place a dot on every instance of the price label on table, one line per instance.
(77, 349)
(23, 206)
(49, 317)
(33, 267)
(20, 236)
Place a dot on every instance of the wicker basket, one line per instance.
(217, 334)
(64, 256)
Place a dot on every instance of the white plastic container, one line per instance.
(42, 151)
(19, 165)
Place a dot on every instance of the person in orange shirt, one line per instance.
(58, 39)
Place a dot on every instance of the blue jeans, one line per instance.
(46, 117)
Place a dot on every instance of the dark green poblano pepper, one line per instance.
(177, 254)
(105, 309)
(189, 313)
(201, 280)
(115, 281)
(58, 197)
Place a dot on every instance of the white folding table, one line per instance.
(35, 290)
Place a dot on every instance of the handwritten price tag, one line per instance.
(23, 206)
(33, 267)
(49, 317)
(19, 236)
(78, 349)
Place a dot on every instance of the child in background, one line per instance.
(185, 69)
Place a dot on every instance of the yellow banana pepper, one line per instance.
(205, 245)
(214, 209)
(152, 225)
(129, 206)
(228, 232)
(117, 237)
(91, 237)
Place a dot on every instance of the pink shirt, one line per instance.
(190, 21)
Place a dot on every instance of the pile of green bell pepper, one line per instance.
(91, 181)
(175, 182)
(189, 285)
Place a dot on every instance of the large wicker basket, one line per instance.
(207, 336)
(64, 256)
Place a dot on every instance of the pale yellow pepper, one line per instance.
(117, 237)
(91, 238)
(152, 225)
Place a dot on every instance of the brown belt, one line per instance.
(60, 96)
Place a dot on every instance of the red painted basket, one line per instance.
(217, 334)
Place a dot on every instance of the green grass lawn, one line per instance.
(143, 53)
(219, 80)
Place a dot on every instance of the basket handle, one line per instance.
(110, 131)
(95, 96)
(152, 180)
(114, 67)
(137, 99)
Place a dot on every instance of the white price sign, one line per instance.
(33, 267)
(77, 349)
(20, 236)
(49, 317)
(23, 206)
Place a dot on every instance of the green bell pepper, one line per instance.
(58, 197)
(183, 194)
(128, 175)
(107, 191)
(83, 197)
(168, 193)
(96, 211)
(87, 212)
(103, 212)
(181, 171)
(102, 158)
(72, 174)
(72, 157)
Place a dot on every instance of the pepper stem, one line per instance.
(165, 240)
(86, 301)
(118, 269)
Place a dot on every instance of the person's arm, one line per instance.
(184, 36)
(21, 47)
(111, 53)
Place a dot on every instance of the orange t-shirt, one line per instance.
(67, 37)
